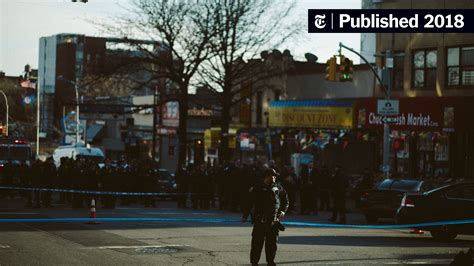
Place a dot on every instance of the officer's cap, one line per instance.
(270, 172)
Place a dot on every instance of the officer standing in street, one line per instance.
(339, 188)
(269, 202)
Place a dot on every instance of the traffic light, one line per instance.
(3, 130)
(331, 69)
(398, 144)
(345, 71)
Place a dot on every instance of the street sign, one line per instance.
(387, 107)
(389, 120)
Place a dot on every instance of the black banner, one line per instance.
(390, 20)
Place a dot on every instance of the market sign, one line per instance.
(420, 113)
(311, 114)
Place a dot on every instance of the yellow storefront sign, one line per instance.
(311, 117)
(211, 138)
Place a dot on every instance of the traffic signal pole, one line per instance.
(388, 90)
(386, 127)
(6, 105)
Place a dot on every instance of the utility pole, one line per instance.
(160, 123)
(38, 95)
(78, 121)
(6, 104)
(387, 89)
(386, 126)
(153, 152)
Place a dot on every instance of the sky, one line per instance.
(23, 22)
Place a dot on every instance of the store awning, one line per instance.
(323, 114)
(312, 103)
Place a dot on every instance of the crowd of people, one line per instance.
(198, 186)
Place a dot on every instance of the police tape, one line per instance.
(197, 220)
(94, 192)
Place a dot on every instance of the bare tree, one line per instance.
(182, 32)
(243, 29)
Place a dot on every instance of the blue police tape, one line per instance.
(195, 220)
(93, 192)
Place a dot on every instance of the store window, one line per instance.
(425, 154)
(460, 65)
(424, 68)
(401, 145)
(441, 149)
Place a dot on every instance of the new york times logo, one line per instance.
(319, 21)
(393, 20)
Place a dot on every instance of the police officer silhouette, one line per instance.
(269, 202)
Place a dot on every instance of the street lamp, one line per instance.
(6, 104)
(75, 84)
(268, 137)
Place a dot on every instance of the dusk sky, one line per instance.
(23, 22)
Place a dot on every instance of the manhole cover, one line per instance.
(157, 250)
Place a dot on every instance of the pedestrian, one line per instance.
(366, 183)
(181, 183)
(35, 176)
(314, 176)
(269, 203)
(290, 183)
(324, 189)
(306, 191)
(48, 175)
(62, 176)
(108, 177)
(339, 187)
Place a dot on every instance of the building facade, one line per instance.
(69, 60)
(300, 91)
(435, 70)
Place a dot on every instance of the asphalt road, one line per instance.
(184, 243)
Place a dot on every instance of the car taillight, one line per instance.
(407, 202)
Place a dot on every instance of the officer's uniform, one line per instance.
(268, 201)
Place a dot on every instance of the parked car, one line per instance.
(165, 182)
(384, 200)
(448, 203)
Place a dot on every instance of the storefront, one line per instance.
(319, 128)
(212, 143)
(431, 138)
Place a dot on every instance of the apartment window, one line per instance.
(424, 68)
(460, 66)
